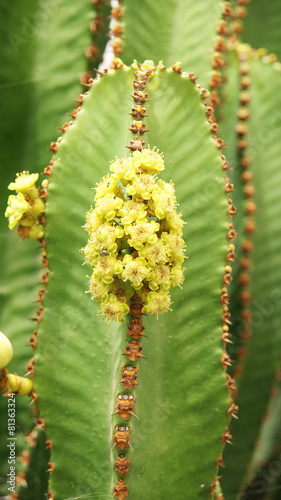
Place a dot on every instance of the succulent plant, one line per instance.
(136, 393)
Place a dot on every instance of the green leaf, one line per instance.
(183, 401)
(263, 356)
(181, 31)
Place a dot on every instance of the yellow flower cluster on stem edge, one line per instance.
(135, 237)
(25, 208)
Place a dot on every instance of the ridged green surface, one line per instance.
(182, 30)
(59, 63)
(264, 347)
(267, 15)
(76, 349)
(270, 436)
(102, 37)
(36, 473)
(19, 263)
(41, 60)
(183, 399)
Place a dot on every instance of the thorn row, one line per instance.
(92, 52)
(227, 278)
(124, 408)
(116, 30)
(138, 111)
(240, 11)
(218, 59)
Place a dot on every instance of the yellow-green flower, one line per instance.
(157, 302)
(17, 207)
(141, 187)
(124, 169)
(142, 232)
(160, 275)
(93, 221)
(106, 267)
(177, 276)
(163, 200)
(114, 309)
(98, 289)
(23, 182)
(106, 186)
(174, 246)
(174, 221)
(149, 161)
(108, 205)
(132, 211)
(135, 270)
(154, 253)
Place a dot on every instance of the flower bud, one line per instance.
(6, 351)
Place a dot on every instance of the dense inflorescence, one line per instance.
(135, 237)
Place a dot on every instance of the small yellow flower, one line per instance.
(149, 161)
(17, 207)
(135, 270)
(160, 275)
(157, 302)
(174, 246)
(163, 200)
(124, 169)
(98, 289)
(141, 187)
(93, 221)
(154, 253)
(142, 232)
(23, 182)
(132, 211)
(108, 205)
(174, 221)
(106, 267)
(106, 186)
(114, 309)
(177, 276)
(103, 240)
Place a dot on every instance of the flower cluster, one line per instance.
(135, 237)
(26, 207)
